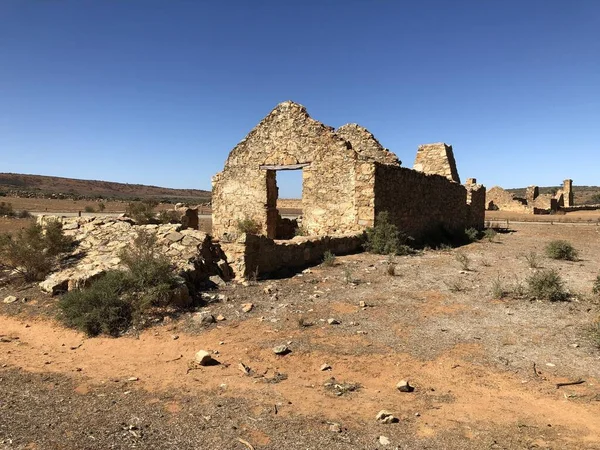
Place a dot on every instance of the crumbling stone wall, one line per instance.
(258, 255)
(420, 204)
(288, 136)
(498, 198)
(100, 240)
(475, 203)
(569, 197)
(366, 145)
(437, 159)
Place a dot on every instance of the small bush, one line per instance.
(560, 249)
(141, 212)
(101, 207)
(546, 285)
(170, 216)
(248, 226)
(472, 234)
(595, 331)
(99, 308)
(499, 291)
(89, 209)
(328, 259)
(300, 231)
(118, 299)
(31, 252)
(24, 214)
(463, 260)
(6, 209)
(385, 238)
(596, 286)
(391, 266)
(490, 234)
(533, 261)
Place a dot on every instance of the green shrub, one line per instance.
(248, 226)
(6, 209)
(99, 308)
(385, 238)
(169, 216)
(490, 234)
(472, 234)
(560, 249)
(463, 259)
(328, 259)
(24, 214)
(142, 212)
(89, 209)
(546, 285)
(101, 207)
(532, 259)
(499, 291)
(31, 252)
(120, 298)
(596, 286)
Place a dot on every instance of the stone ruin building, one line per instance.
(348, 177)
(498, 199)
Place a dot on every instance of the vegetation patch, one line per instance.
(546, 285)
(142, 212)
(561, 249)
(33, 252)
(121, 298)
(385, 238)
(248, 226)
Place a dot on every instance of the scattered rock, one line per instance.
(362, 304)
(404, 386)
(325, 367)
(335, 427)
(220, 318)
(383, 440)
(174, 337)
(247, 307)
(216, 279)
(333, 321)
(281, 350)
(204, 358)
(174, 236)
(204, 318)
(386, 417)
(10, 299)
(132, 379)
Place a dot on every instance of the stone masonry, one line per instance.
(437, 159)
(99, 241)
(348, 178)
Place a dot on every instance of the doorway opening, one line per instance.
(284, 200)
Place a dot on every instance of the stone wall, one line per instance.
(366, 145)
(437, 159)
(420, 204)
(500, 199)
(256, 255)
(569, 198)
(475, 204)
(287, 137)
(100, 240)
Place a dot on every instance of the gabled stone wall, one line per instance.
(366, 145)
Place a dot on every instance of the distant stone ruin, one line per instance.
(498, 199)
(348, 178)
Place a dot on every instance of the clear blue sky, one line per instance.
(159, 91)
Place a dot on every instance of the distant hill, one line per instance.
(584, 195)
(56, 187)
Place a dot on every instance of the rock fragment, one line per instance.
(204, 358)
(404, 386)
(281, 350)
(384, 416)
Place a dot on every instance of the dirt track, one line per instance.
(469, 357)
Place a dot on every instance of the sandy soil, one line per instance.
(471, 359)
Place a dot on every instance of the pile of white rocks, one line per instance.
(99, 241)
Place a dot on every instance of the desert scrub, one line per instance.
(546, 285)
(499, 290)
(120, 298)
(533, 260)
(6, 209)
(490, 234)
(385, 238)
(463, 260)
(472, 234)
(560, 249)
(328, 259)
(142, 212)
(248, 226)
(89, 209)
(170, 216)
(33, 251)
(596, 286)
